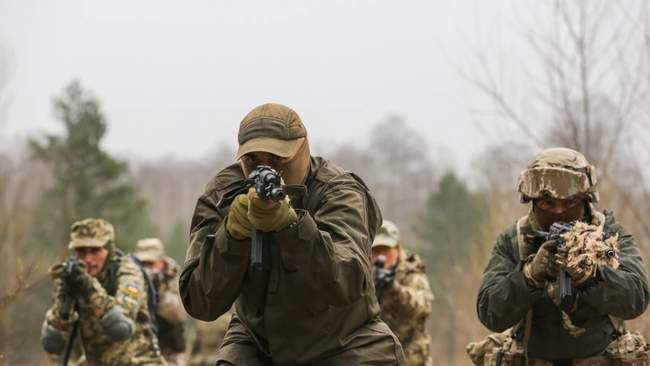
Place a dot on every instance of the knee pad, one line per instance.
(117, 326)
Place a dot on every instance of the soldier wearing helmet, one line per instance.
(101, 295)
(518, 283)
(404, 294)
(170, 315)
(313, 302)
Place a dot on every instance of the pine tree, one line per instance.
(177, 242)
(87, 181)
(451, 223)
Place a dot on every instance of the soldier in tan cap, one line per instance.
(315, 303)
(170, 315)
(519, 291)
(102, 295)
(404, 294)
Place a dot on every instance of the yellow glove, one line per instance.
(238, 225)
(268, 215)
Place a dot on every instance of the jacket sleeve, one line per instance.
(504, 296)
(621, 292)
(215, 264)
(56, 331)
(130, 295)
(329, 250)
(413, 296)
(53, 315)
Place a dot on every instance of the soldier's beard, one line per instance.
(544, 219)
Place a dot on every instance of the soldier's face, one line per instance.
(557, 206)
(391, 254)
(253, 159)
(94, 258)
(155, 267)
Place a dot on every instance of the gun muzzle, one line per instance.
(277, 194)
(380, 262)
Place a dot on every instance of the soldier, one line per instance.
(170, 315)
(102, 295)
(404, 294)
(315, 304)
(517, 284)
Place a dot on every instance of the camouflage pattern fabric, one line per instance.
(505, 297)
(130, 298)
(171, 316)
(206, 339)
(559, 173)
(405, 307)
(91, 233)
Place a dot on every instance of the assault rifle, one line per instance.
(68, 272)
(268, 185)
(556, 233)
(384, 277)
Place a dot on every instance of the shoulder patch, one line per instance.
(133, 289)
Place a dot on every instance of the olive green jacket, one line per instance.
(504, 296)
(319, 291)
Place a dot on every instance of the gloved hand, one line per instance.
(541, 267)
(80, 282)
(269, 215)
(580, 269)
(74, 276)
(238, 224)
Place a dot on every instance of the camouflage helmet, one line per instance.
(559, 173)
(95, 233)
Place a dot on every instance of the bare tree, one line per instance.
(583, 83)
(395, 163)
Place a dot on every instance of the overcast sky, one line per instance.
(176, 77)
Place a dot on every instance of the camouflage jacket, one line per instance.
(405, 307)
(504, 296)
(130, 296)
(170, 315)
(318, 299)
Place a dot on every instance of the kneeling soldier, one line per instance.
(101, 294)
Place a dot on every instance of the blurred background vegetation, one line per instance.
(587, 74)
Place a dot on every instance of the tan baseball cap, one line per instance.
(149, 250)
(91, 233)
(272, 128)
(388, 235)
